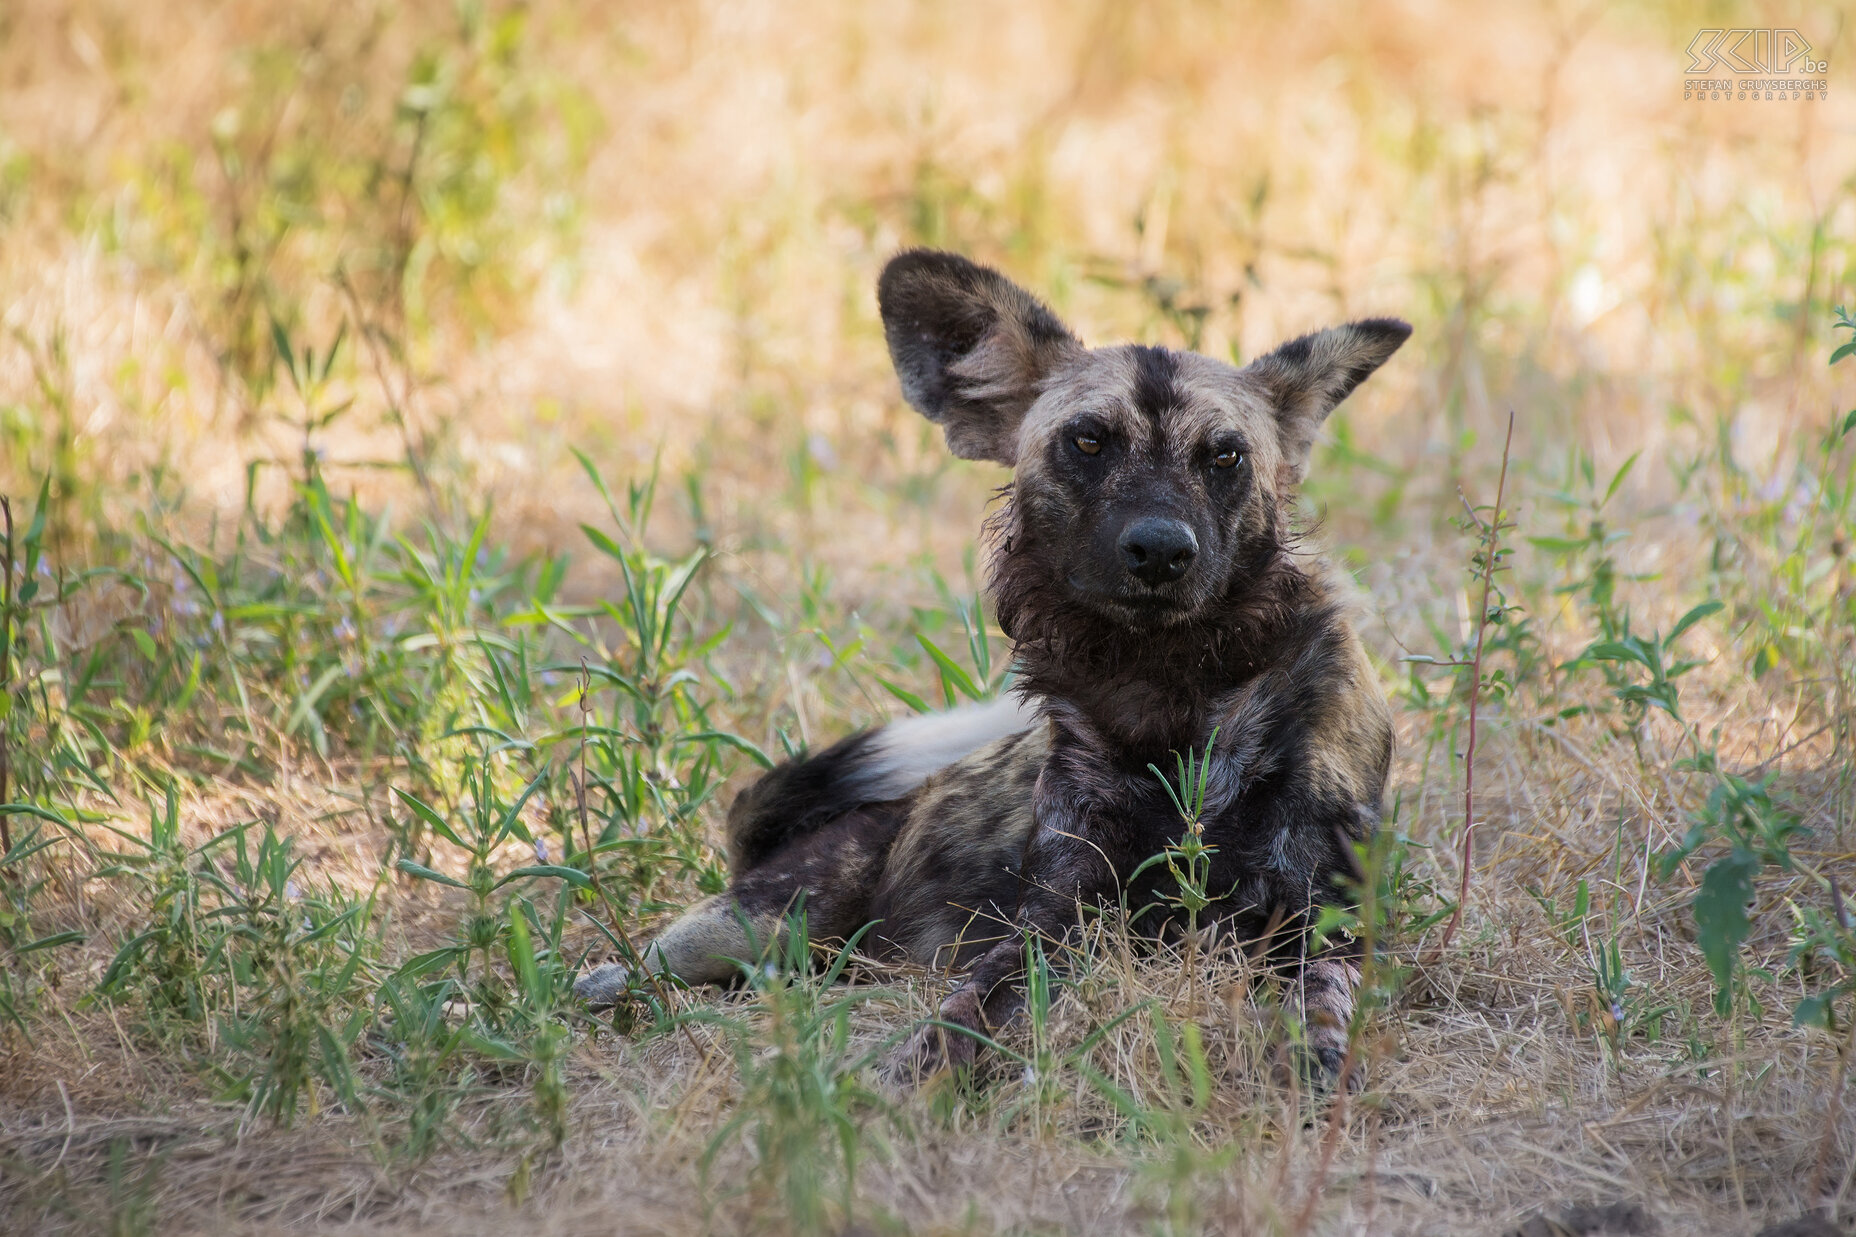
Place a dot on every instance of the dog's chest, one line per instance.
(1135, 779)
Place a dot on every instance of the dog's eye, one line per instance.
(1088, 444)
(1227, 459)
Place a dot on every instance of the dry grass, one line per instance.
(687, 222)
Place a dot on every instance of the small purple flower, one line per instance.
(541, 850)
(219, 622)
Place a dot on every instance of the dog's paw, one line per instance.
(1318, 1065)
(927, 1054)
(603, 985)
(1329, 1058)
(1328, 1066)
(938, 1048)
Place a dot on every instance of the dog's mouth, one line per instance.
(1166, 605)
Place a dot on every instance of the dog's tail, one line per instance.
(874, 766)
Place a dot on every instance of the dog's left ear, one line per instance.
(972, 348)
(1307, 377)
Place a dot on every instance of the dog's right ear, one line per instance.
(970, 346)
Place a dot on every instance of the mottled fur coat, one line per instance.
(1145, 566)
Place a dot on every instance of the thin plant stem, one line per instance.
(6, 672)
(1491, 555)
(396, 404)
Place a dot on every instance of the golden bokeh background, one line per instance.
(659, 226)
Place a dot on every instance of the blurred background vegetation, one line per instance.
(446, 441)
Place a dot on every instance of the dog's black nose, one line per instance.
(1157, 551)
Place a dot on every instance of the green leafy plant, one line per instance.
(1758, 832)
(1648, 666)
(486, 825)
(806, 1109)
(300, 963)
(237, 955)
(649, 755)
(1586, 550)
(529, 1032)
(1188, 860)
(24, 946)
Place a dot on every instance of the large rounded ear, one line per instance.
(1307, 377)
(970, 346)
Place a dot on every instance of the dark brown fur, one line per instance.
(1146, 566)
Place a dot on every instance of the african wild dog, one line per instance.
(1145, 566)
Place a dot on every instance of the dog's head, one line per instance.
(1149, 483)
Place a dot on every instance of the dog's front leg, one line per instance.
(1327, 986)
(1061, 872)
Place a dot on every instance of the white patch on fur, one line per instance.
(903, 754)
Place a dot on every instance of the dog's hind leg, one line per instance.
(699, 948)
(813, 834)
(828, 874)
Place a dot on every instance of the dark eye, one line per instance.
(1088, 444)
(1227, 459)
